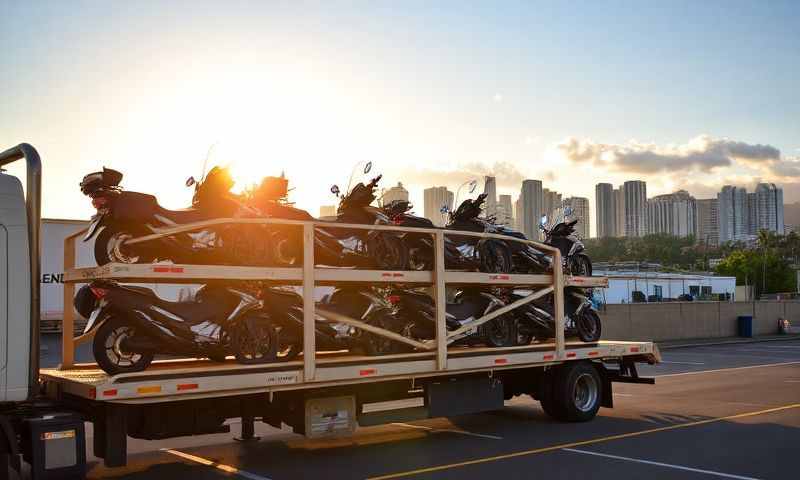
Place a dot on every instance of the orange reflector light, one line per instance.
(500, 361)
(110, 393)
(592, 354)
(570, 354)
(187, 386)
(366, 372)
(151, 389)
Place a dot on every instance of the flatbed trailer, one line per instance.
(319, 394)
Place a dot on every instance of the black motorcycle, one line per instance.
(536, 319)
(285, 310)
(132, 324)
(417, 312)
(123, 215)
(562, 236)
(420, 246)
(494, 255)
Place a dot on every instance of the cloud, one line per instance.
(788, 168)
(506, 174)
(702, 153)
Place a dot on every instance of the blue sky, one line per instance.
(428, 90)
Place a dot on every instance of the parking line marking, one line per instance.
(580, 443)
(659, 464)
(449, 430)
(218, 466)
(683, 363)
(728, 369)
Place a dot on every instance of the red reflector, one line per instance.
(635, 349)
(592, 354)
(187, 386)
(367, 372)
(161, 269)
(99, 202)
(500, 361)
(394, 299)
(570, 354)
(98, 292)
(110, 393)
(548, 357)
(93, 393)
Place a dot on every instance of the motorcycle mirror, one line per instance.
(543, 220)
(190, 181)
(367, 167)
(444, 209)
(568, 211)
(335, 190)
(473, 184)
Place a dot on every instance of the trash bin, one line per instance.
(746, 326)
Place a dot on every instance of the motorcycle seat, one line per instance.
(182, 216)
(281, 300)
(191, 311)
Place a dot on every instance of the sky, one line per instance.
(688, 95)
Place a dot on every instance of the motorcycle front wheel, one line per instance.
(495, 256)
(254, 340)
(500, 332)
(580, 265)
(588, 326)
(111, 351)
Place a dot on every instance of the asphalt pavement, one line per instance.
(727, 411)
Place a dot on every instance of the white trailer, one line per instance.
(324, 393)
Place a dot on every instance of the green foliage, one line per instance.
(763, 268)
(668, 250)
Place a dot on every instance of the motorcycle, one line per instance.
(124, 215)
(285, 310)
(562, 236)
(417, 312)
(132, 324)
(536, 319)
(420, 246)
(494, 255)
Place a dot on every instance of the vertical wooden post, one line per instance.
(68, 318)
(558, 307)
(440, 290)
(309, 339)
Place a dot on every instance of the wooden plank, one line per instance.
(68, 321)
(440, 292)
(309, 336)
(482, 278)
(558, 300)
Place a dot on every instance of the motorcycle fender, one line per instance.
(96, 319)
(576, 248)
(94, 226)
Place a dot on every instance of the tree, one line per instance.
(765, 270)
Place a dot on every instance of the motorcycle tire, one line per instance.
(104, 245)
(500, 332)
(108, 351)
(287, 248)
(420, 254)
(588, 326)
(580, 265)
(495, 257)
(380, 345)
(387, 251)
(254, 340)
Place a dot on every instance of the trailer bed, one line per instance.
(172, 380)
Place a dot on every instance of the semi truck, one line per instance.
(43, 411)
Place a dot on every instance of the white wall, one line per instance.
(620, 288)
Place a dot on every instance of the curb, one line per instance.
(728, 342)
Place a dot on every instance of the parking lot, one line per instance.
(726, 411)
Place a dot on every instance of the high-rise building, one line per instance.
(490, 189)
(435, 199)
(673, 214)
(733, 214)
(504, 214)
(619, 211)
(708, 221)
(605, 208)
(635, 208)
(580, 210)
(551, 200)
(531, 208)
(327, 211)
(518, 213)
(751, 218)
(769, 208)
(395, 193)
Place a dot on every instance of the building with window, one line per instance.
(435, 199)
(580, 211)
(708, 221)
(635, 194)
(673, 214)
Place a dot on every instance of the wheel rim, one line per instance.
(114, 351)
(114, 249)
(255, 342)
(498, 330)
(416, 259)
(283, 252)
(496, 261)
(586, 392)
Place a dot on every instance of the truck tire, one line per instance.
(576, 391)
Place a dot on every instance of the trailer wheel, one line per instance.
(576, 391)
